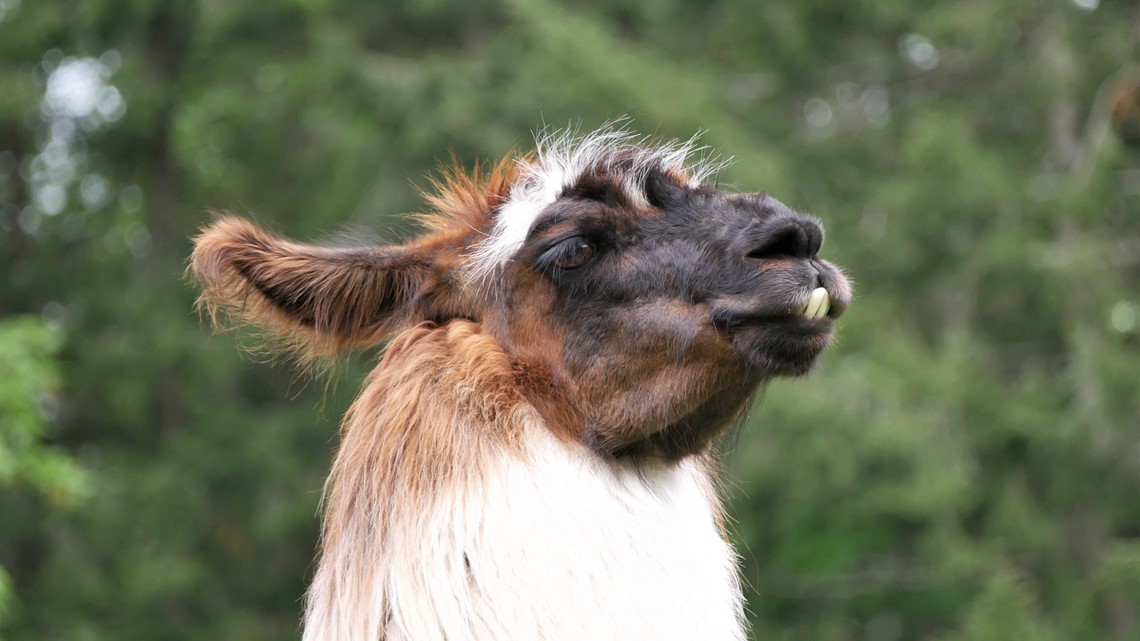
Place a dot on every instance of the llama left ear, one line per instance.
(319, 299)
(662, 190)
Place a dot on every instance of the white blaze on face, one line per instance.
(512, 223)
(562, 158)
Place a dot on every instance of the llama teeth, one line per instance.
(809, 310)
(825, 306)
(818, 303)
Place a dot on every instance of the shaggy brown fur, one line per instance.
(439, 402)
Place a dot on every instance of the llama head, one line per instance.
(640, 308)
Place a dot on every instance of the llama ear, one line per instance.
(319, 299)
(662, 190)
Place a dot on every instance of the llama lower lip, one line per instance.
(794, 325)
(781, 346)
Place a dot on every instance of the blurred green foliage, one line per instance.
(964, 465)
(30, 376)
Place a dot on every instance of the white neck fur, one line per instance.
(555, 544)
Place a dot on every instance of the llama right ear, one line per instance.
(319, 299)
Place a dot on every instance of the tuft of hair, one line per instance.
(462, 201)
(563, 156)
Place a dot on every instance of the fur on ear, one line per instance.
(315, 301)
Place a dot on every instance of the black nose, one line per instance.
(786, 235)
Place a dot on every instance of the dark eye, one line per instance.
(572, 253)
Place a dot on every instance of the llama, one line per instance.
(532, 458)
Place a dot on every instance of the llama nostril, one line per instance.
(818, 274)
(787, 237)
(789, 242)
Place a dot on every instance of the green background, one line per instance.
(963, 465)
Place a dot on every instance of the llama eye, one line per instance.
(572, 253)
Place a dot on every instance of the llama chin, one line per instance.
(532, 456)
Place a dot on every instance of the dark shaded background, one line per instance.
(964, 465)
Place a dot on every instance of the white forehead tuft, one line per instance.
(561, 158)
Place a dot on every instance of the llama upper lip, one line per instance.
(818, 305)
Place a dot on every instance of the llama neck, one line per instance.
(569, 546)
(458, 515)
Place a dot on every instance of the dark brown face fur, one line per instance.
(661, 321)
(637, 323)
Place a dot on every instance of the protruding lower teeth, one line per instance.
(825, 306)
(818, 304)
